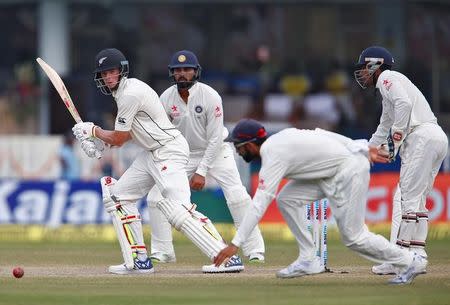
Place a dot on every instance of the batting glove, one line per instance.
(90, 149)
(99, 144)
(83, 130)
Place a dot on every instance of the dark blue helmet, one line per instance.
(369, 61)
(246, 131)
(108, 59)
(185, 59)
(375, 53)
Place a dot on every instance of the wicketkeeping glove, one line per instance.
(394, 141)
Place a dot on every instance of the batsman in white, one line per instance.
(196, 110)
(141, 117)
(318, 164)
(408, 127)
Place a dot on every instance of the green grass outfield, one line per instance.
(75, 273)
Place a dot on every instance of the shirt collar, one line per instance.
(380, 78)
(193, 90)
(119, 90)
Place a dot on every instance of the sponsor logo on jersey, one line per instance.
(198, 109)
(121, 120)
(397, 136)
(387, 84)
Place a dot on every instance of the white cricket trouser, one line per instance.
(225, 173)
(164, 167)
(422, 153)
(154, 168)
(347, 195)
(292, 201)
(396, 215)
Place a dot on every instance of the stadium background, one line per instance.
(286, 63)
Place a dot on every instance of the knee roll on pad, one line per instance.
(196, 226)
(152, 204)
(176, 213)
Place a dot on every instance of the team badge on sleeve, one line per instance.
(218, 112)
(261, 184)
(387, 84)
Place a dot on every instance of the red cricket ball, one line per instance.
(18, 272)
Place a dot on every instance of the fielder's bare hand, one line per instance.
(378, 154)
(197, 182)
(225, 254)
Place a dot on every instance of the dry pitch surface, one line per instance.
(75, 273)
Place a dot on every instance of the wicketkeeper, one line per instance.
(408, 127)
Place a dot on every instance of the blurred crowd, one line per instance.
(277, 63)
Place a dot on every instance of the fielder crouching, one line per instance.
(318, 164)
(141, 117)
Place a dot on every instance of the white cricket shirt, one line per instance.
(293, 154)
(140, 112)
(404, 106)
(200, 121)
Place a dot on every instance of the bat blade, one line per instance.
(61, 88)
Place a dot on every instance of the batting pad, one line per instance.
(127, 224)
(196, 226)
(418, 239)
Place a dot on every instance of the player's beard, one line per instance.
(184, 85)
(247, 156)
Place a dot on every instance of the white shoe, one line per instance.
(257, 258)
(233, 265)
(384, 269)
(160, 257)
(418, 266)
(139, 268)
(420, 251)
(301, 268)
